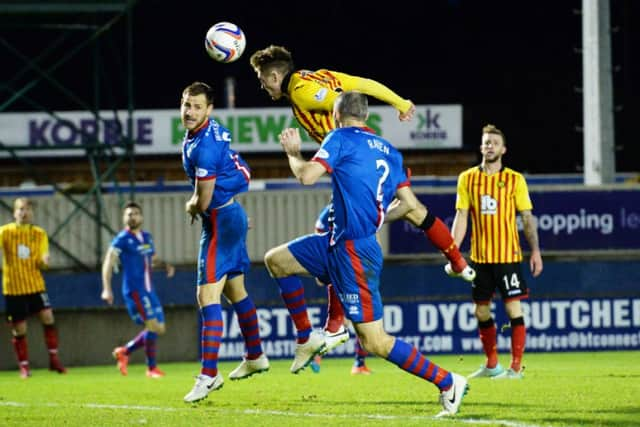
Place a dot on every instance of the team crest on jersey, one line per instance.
(501, 184)
(321, 94)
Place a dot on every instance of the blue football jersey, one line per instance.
(366, 170)
(135, 252)
(206, 155)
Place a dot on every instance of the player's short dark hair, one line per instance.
(132, 204)
(199, 88)
(489, 128)
(277, 57)
(352, 103)
(27, 202)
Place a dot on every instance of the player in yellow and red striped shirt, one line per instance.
(25, 249)
(493, 194)
(312, 95)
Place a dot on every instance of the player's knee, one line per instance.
(19, 328)
(271, 261)
(513, 311)
(268, 260)
(482, 312)
(46, 317)
(379, 345)
(155, 327)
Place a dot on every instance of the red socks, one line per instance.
(488, 337)
(518, 339)
(440, 235)
(20, 347)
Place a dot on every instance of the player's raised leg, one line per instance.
(284, 269)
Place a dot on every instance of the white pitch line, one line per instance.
(473, 421)
(136, 407)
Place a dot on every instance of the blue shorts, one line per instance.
(223, 248)
(352, 266)
(143, 305)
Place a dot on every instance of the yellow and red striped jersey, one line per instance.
(492, 201)
(312, 94)
(23, 247)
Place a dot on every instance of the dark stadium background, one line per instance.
(515, 64)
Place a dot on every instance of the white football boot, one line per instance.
(246, 368)
(452, 398)
(335, 339)
(203, 386)
(305, 353)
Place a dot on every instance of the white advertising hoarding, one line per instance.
(253, 129)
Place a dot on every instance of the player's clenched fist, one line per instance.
(290, 140)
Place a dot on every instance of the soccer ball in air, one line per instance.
(225, 42)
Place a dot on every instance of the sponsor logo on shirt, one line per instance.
(351, 298)
(23, 251)
(488, 205)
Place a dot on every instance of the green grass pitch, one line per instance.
(559, 389)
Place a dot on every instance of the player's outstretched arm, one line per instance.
(381, 92)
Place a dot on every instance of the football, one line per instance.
(225, 42)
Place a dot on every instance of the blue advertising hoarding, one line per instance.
(567, 221)
(574, 306)
(449, 327)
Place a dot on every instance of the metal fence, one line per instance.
(275, 217)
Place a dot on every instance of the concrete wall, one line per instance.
(88, 336)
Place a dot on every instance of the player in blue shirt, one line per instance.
(217, 174)
(134, 247)
(366, 174)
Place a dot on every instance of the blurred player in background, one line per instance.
(493, 194)
(25, 250)
(217, 174)
(134, 247)
(312, 95)
(367, 172)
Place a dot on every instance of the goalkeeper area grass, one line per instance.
(559, 389)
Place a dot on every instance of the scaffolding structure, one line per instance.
(71, 55)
